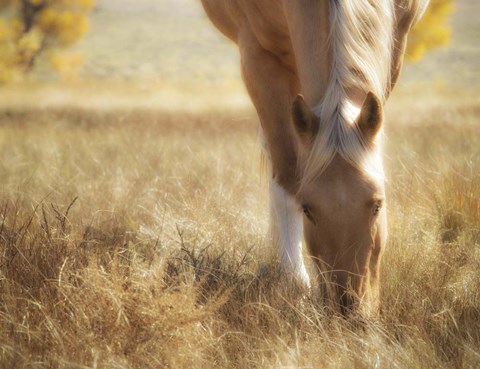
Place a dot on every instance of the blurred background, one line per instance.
(133, 211)
(166, 54)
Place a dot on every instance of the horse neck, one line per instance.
(342, 48)
(309, 27)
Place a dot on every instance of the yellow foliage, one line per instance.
(12, 46)
(48, 24)
(4, 31)
(431, 31)
(67, 65)
(64, 26)
(30, 42)
(86, 4)
(16, 28)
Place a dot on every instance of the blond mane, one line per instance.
(360, 41)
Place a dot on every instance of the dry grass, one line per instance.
(135, 239)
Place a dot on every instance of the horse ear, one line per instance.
(371, 117)
(306, 122)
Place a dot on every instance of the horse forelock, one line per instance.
(361, 48)
(343, 138)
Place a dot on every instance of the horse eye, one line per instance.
(308, 213)
(376, 208)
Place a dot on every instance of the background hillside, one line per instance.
(166, 54)
(171, 40)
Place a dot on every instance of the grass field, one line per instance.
(135, 239)
(133, 212)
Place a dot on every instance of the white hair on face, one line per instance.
(361, 33)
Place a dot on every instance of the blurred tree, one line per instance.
(431, 31)
(30, 29)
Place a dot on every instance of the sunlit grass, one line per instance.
(135, 239)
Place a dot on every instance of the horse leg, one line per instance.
(272, 88)
(289, 232)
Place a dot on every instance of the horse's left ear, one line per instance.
(371, 117)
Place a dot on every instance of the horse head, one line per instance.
(342, 196)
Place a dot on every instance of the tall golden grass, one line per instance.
(135, 239)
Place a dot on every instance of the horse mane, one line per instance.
(360, 42)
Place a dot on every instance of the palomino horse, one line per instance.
(319, 73)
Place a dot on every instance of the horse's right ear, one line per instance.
(306, 122)
(371, 117)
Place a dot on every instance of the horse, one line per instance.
(319, 73)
